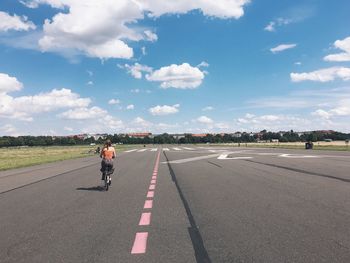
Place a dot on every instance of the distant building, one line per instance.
(140, 135)
(199, 135)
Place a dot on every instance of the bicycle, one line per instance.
(107, 177)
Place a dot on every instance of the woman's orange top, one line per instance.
(109, 153)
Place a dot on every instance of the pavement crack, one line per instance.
(201, 253)
(302, 171)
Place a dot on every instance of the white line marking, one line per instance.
(154, 149)
(165, 149)
(224, 157)
(129, 151)
(143, 150)
(177, 149)
(186, 148)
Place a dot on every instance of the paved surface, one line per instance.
(193, 204)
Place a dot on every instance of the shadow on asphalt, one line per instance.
(94, 188)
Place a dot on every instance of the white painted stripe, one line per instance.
(129, 151)
(143, 150)
(154, 149)
(186, 148)
(165, 149)
(194, 159)
(177, 149)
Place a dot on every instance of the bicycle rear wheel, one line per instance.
(106, 182)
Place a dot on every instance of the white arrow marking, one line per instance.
(224, 157)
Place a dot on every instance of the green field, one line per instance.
(16, 157)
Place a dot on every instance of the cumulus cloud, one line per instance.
(83, 113)
(9, 84)
(282, 47)
(101, 28)
(130, 107)
(342, 109)
(136, 70)
(182, 76)
(17, 23)
(164, 110)
(23, 107)
(343, 45)
(322, 75)
(204, 120)
(251, 122)
(113, 101)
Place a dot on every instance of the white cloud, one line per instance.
(130, 107)
(137, 69)
(138, 121)
(83, 113)
(272, 122)
(8, 129)
(203, 64)
(150, 36)
(182, 76)
(208, 108)
(102, 28)
(68, 129)
(321, 113)
(282, 47)
(204, 120)
(9, 84)
(270, 27)
(90, 73)
(143, 50)
(17, 23)
(220, 8)
(135, 91)
(322, 75)
(22, 108)
(90, 83)
(164, 110)
(113, 101)
(343, 45)
(341, 109)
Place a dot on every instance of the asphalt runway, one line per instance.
(181, 204)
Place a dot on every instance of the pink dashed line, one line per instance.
(140, 243)
(148, 204)
(145, 219)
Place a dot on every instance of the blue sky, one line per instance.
(69, 66)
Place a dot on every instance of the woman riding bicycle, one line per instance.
(107, 155)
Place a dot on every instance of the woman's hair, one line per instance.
(108, 143)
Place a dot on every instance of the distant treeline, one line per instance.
(7, 141)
